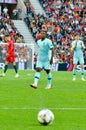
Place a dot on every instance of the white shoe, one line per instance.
(48, 86)
(17, 75)
(83, 79)
(2, 75)
(74, 79)
(33, 86)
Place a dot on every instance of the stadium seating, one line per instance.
(63, 20)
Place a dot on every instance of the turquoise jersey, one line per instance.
(44, 49)
(78, 51)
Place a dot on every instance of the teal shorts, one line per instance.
(79, 60)
(43, 65)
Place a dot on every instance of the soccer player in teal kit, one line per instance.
(78, 47)
(44, 60)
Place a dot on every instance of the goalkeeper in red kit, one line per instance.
(10, 56)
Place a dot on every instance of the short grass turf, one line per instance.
(20, 104)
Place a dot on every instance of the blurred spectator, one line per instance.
(15, 13)
(5, 10)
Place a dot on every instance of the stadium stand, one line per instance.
(9, 11)
(7, 27)
(63, 18)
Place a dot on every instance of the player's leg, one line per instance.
(6, 66)
(36, 78)
(49, 77)
(16, 70)
(82, 67)
(74, 72)
(5, 69)
(47, 67)
(82, 71)
(37, 74)
(75, 61)
(12, 60)
(15, 67)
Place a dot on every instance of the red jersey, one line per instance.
(10, 48)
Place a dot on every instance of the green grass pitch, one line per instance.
(20, 104)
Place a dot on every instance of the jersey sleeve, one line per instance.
(50, 44)
(83, 45)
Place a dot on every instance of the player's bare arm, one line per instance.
(83, 46)
(52, 55)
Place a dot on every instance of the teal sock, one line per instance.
(5, 68)
(36, 78)
(49, 76)
(74, 73)
(82, 73)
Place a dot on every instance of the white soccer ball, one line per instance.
(45, 117)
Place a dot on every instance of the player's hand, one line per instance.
(7, 54)
(71, 49)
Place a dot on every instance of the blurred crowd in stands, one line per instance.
(63, 19)
(7, 27)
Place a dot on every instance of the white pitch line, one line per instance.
(27, 108)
